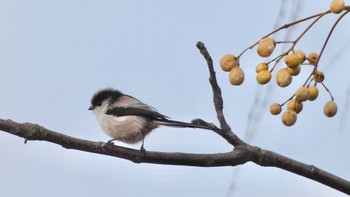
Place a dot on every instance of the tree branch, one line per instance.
(30, 131)
(226, 131)
(264, 157)
(240, 155)
(217, 98)
(270, 159)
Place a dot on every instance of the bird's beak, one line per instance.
(91, 108)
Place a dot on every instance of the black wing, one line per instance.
(137, 109)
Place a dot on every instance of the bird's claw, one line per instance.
(110, 142)
(142, 148)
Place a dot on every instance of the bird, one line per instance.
(125, 118)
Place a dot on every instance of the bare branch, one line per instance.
(329, 35)
(240, 155)
(30, 131)
(217, 98)
(271, 159)
(218, 101)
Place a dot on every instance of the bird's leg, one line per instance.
(142, 149)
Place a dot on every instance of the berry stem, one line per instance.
(250, 47)
(329, 92)
(285, 26)
(329, 35)
(288, 100)
(294, 23)
(280, 42)
(276, 59)
(307, 29)
(309, 79)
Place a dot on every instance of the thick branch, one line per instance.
(271, 159)
(30, 131)
(240, 155)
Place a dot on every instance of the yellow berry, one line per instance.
(236, 76)
(313, 93)
(275, 109)
(289, 117)
(261, 66)
(267, 40)
(227, 62)
(263, 77)
(294, 71)
(295, 105)
(301, 55)
(283, 78)
(312, 58)
(330, 109)
(319, 76)
(337, 6)
(302, 94)
(291, 60)
(266, 47)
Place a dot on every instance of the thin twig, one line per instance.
(309, 27)
(283, 27)
(292, 23)
(217, 98)
(329, 92)
(329, 35)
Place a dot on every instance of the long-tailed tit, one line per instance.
(125, 118)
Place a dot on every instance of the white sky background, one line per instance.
(55, 54)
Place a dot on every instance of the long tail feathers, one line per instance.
(173, 123)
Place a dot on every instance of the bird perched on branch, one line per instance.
(126, 119)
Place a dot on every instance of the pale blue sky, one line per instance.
(55, 54)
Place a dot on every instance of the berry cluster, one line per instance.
(293, 59)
